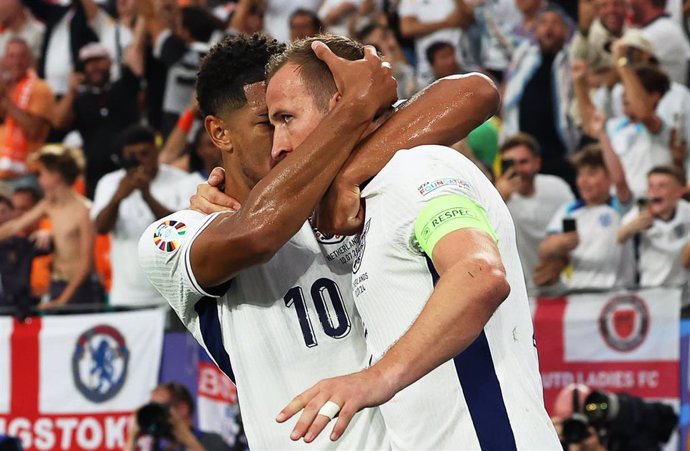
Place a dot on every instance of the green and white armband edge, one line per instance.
(446, 214)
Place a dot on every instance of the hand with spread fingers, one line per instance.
(339, 397)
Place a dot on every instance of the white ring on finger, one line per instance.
(330, 410)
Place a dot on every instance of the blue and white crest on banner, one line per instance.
(99, 363)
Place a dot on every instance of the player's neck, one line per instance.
(237, 185)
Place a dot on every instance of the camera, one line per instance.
(125, 163)
(623, 422)
(153, 420)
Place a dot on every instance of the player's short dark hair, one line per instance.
(659, 3)
(521, 139)
(312, 70)
(138, 134)
(316, 22)
(31, 191)
(653, 79)
(199, 23)
(590, 156)
(232, 64)
(436, 47)
(66, 161)
(178, 394)
(672, 171)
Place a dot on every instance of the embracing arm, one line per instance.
(443, 113)
(278, 205)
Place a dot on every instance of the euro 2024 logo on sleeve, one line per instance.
(99, 363)
(624, 322)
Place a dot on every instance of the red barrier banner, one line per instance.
(619, 342)
(72, 382)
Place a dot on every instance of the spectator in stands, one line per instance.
(279, 12)
(670, 43)
(72, 279)
(24, 199)
(593, 38)
(99, 110)
(304, 23)
(538, 93)
(595, 260)
(496, 21)
(640, 138)
(337, 16)
(67, 31)
(17, 21)
(429, 22)
(443, 60)
(130, 199)
(181, 49)
(526, 29)
(181, 404)
(663, 226)
(383, 38)
(247, 17)
(674, 106)
(27, 105)
(116, 35)
(532, 198)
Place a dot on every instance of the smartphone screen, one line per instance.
(569, 225)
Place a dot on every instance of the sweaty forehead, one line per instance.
(255, 94)
(286, 83)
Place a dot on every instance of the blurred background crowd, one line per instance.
(100, 134)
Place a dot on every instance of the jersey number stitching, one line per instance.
(295, 296)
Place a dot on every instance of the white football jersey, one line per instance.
(598, 261)
(490, 396)
(660, 248)
(276, 329)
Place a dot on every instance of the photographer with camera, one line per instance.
(130, 199)
(597, 420)
(166, 424)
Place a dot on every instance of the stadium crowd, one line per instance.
(100, 134)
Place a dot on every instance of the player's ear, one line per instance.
(218, 133)
(333, 100)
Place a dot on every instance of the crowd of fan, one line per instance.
(100, 133)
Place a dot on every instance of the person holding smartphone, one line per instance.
(532, 198)
(581, 236)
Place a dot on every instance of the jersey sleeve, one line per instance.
(438, 191)
(164, 256)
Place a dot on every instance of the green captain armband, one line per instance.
(446, 214)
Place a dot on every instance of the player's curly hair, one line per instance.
(232, 64)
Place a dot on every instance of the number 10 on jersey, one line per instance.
(332, 315)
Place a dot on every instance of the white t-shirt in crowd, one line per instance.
(114, 37)
(673, 109)
(598, 262)
(277, 16)
(58, 65)
(500, 17)
(275, 329)
(430, 11)
(31, 32)
(531, 216)
(490, 395)
(671, 47)
(660, 248)
(341, 27)
(639, 150)
(172, 188)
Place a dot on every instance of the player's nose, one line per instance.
(281, 147)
